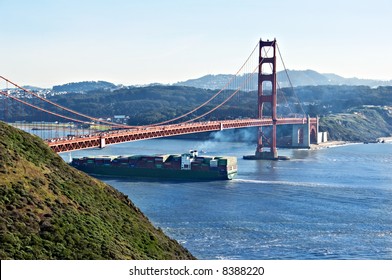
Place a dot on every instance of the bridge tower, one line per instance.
(267, 62)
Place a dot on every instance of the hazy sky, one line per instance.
(49, 42)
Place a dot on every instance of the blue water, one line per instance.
(333, 203)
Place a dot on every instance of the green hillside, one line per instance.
(366, 123)
(49, 210)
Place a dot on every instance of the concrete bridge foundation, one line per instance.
(305, 134)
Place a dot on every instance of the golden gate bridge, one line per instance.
(261, 64)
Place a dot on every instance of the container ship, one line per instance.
(182, 166)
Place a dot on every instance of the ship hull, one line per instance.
(120, 171)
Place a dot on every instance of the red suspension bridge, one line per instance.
(261, 64)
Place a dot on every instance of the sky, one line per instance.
(51, 42)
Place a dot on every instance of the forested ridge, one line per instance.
(355, 106)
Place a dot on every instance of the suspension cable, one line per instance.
(213, 97)
(41, 109)
(232, 95)
(288, 77)
(224, 102)
(65, 108)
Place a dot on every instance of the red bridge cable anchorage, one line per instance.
(65, 108)
(213, 97)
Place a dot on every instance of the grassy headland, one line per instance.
(363, 124)
(49, 210)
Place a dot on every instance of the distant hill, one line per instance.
(49, 210)
(297, 78)
(83, 86)
(218, 81)
(33, 88)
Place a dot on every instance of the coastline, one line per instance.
(384, 139)
(330, 144)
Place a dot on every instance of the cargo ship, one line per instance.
(189, 166)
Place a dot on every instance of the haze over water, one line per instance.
(332, 203)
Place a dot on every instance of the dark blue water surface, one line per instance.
(333, 203)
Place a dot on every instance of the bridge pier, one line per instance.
(305, 134)
(271, 155)
(301, 135)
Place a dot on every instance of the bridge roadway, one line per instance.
(126, 135)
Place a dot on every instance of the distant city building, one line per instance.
(120, 118)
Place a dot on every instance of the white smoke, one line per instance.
(244, 135)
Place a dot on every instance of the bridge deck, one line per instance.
(143, 133)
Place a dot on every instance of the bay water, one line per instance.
(332, 203)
